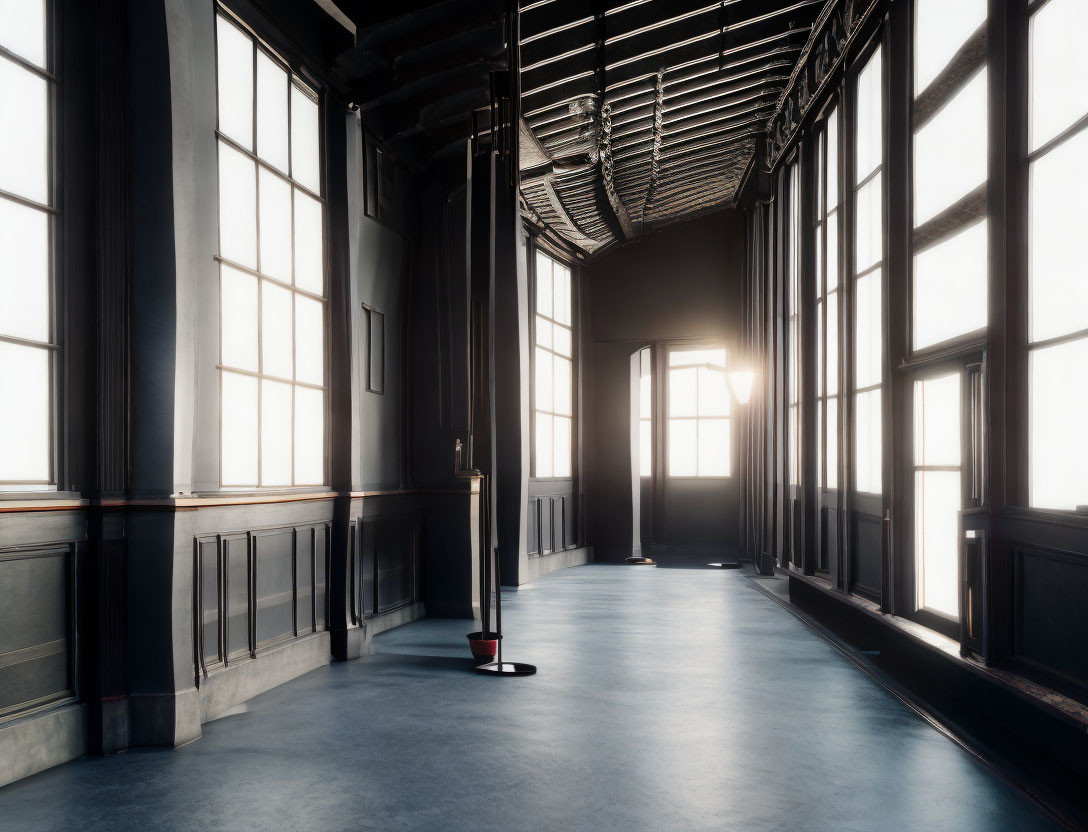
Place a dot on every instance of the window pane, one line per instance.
(833, 159)
(794, 450)
(25, 428)
(833, 343)
(239, 432)
(644, 390)
(305, 148)
(713, 447)
(235, 71)
(561, 288)
(275, 433)
(24, 272)
(867, 442)
(22, 29)
(940, 29)
(562, 337)
(562, 447)
(238, 313)
(544, 442)
(309, 340)
(1059, 442)
(545, 379)
(309, 436)
(645, 448)
(937, 420)
(832, 443)
(544, 286)
(870, 147)
(237, 207)
(275, 202)
(714, 355)
(950, 287)
(683, 450)
(1059, 244)
(562, 386)
(869, 224)
(832, 251)
(793, 389)
(713, 392)
(276, 330)
(819, 348)
(937, 501)
(309, 249)
(683, 392)
(271, 111)
(1059, 65)
(543, 332)
(868, 330)
(950, 151)
(24, 144)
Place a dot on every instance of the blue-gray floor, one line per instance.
(667, 699)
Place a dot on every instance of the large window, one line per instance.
(28, 341)
(699, 429)
(645, 413)
(793, 363)
(553, 369)
(868, 268)
(827, 300)
(1058, 255)
(272, 269)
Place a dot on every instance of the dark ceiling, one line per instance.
(634, 114)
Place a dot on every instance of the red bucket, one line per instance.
(484, 646)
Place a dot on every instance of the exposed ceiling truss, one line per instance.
(638, 113)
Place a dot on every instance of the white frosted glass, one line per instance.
(937, 420)
(819, 456)
(867, 442)
(1059, 67)
(713, 355)
(683, 392)
(819, 348)
(24, 414)
(644, 390)
(868, 337)
(950, 287)
(562, 337)
(1059, 242)
(24, 272)
(561, 288)
(309, 436)
(683, 448)
(24, 136)
(545, 439)
(309, 340)
(833, 159)
(936, 530)
(940, 29)
(793, 446)
(545, 380)
(832, 251)
(869, 223)
(713, 393)
(275, 433)
(869, 151)
(309, 248)
(543, 332)
(305, 143)
(238, 313)
(562, 447)
(833, 343)
(950, 151)
(562, 385)
(276, 337)
(235, 72)
(272, 83)
(239, 430)
(22, 29)
(818, 288)
(831, 441)
(645, 448)
(237, 207)
(713, 447)
(792, 378)
(544, 286)
(1059, 442)
(275, 201)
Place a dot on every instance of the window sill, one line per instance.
(41, 501)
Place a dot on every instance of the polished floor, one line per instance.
(667, 699)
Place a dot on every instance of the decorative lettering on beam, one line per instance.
(607, 171)
(655, 152)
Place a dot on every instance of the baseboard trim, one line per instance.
(42, 740)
